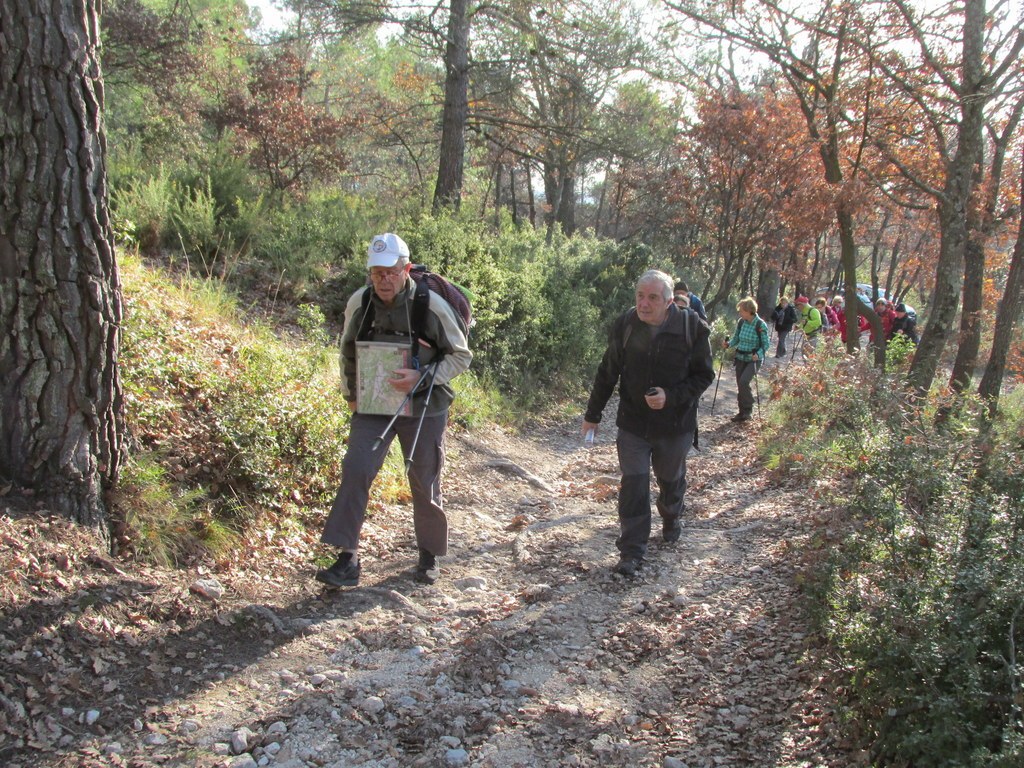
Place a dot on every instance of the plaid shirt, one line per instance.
(750, 338)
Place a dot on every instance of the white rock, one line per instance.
(272, 748)
(221, 748)
(211, 589)
(277, 728)
(113, 748)
(243, 761)
(92, 716)
(154, 739)
(451, 741)
(673, 762)
(372, 705)
(318, 679)
(471, 582)
(456, 757)
(240, 741)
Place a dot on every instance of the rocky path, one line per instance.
(529, 652)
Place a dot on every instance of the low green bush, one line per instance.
(922, 600)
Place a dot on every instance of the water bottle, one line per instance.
(588, 439)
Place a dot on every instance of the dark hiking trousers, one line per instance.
(637, 457)
(745, 373)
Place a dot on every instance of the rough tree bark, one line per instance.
(61, 408)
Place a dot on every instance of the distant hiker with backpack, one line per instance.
(784, 318)
(809, 321)
(694, 301)
(660, 358)
(432, 337)
(751, 344)
(903, 324)
(829, 317)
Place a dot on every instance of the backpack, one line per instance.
(826, 323)
(426, 281)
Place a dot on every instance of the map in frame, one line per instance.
(375, 362)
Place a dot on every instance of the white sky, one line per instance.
(273, 17)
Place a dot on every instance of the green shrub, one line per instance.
(300, 241)
(157, 519)
(147, 207)
(196, 219)
(922, 601)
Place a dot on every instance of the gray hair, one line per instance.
(657, 276)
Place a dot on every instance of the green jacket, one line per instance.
(810, 319)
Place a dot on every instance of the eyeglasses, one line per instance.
(379, 273)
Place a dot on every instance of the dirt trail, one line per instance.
(528, 652)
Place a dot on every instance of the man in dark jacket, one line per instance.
(904, 323)
(660, 358)
(784, 317)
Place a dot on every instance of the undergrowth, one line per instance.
(921, 597)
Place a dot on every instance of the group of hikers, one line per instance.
(658, 358)
(824, 319)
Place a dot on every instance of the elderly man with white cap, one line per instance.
(437, 353)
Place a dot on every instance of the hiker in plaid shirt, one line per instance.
(751, 344)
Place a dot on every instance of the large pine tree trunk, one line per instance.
(61, 410)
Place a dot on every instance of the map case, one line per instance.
(375, 363)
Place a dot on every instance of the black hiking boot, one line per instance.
(344, 572)
(627, 566)
(671, 530)
(740, 417)
(427, 570)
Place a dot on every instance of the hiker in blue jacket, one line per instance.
(695, 302)
(442, 352)
(751, 344)
(660, 358)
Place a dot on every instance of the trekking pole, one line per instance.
(717, 381)
(398, 411)
(792, 354)
(423, 413)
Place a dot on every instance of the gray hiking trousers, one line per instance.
(361, 465)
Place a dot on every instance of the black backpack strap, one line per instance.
(366, 328)
(418, 317)
(628, 329)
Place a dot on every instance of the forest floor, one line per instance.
(527, 652)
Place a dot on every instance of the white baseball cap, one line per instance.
(386, 250)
